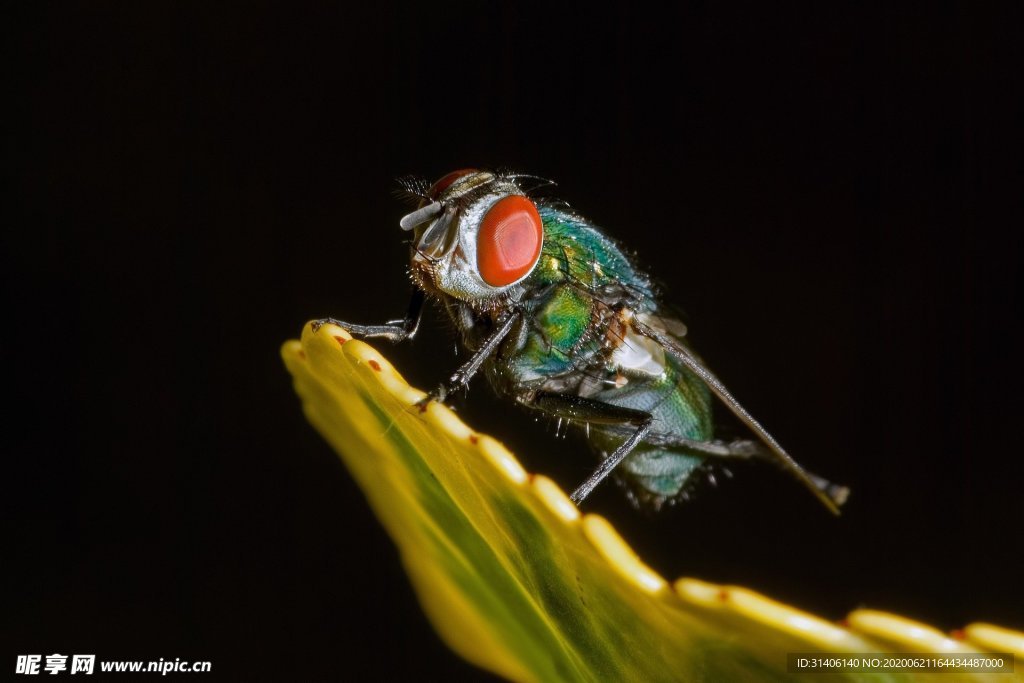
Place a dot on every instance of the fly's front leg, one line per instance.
(461, 377)
(595, 412)
(394, 330)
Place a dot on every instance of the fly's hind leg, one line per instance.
(746, 449)
(832, 499)
(595, 412)
(394, 330)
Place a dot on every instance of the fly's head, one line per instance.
(476, 237)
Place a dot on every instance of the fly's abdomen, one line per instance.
(657, 474)
(680, 405)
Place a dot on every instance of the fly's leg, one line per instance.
(595, 412)
(461, 377)
(745, 449)
(394, 330)
(775, 450)
(836, 492)
(740, 448)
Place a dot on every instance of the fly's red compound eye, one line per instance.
(509, 241)
(446, 181)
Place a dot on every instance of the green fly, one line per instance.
(562, 321)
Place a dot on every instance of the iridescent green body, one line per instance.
(572, 339)
(561, 320)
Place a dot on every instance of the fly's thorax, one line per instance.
(476, 237)
(630, 359)
(634, 353)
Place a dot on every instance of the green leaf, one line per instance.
(517, 581)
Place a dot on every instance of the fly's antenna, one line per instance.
(412, 188)
(421, 216)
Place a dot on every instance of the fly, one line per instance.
(561, 321)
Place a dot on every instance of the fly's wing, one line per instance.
(830, 495)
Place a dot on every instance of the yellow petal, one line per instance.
(517, 581)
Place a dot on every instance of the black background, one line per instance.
(832, 197)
